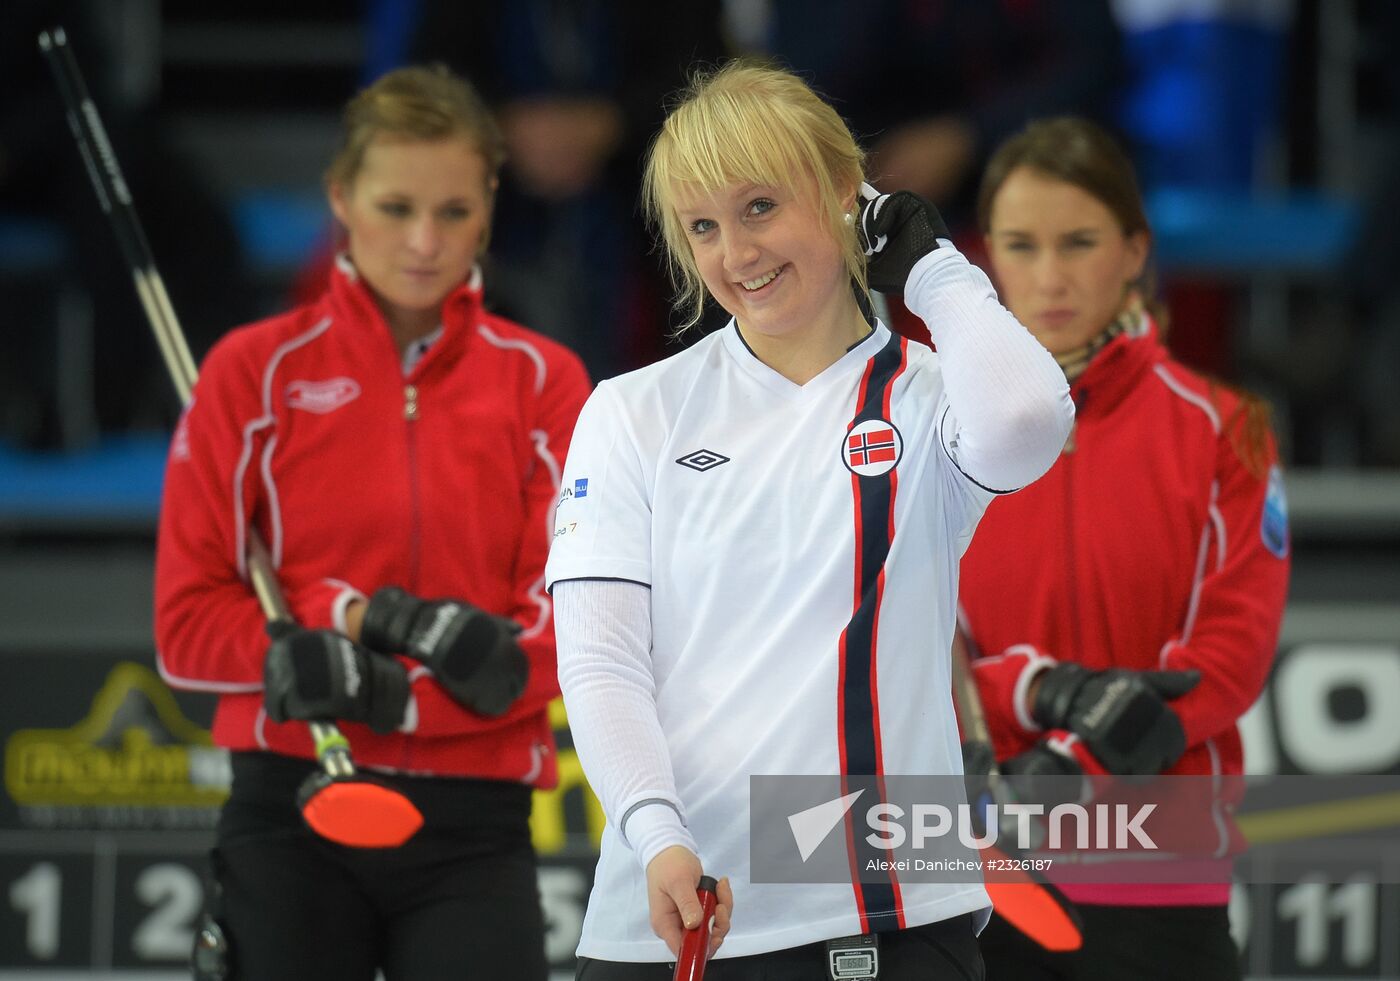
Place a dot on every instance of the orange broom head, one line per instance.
(360, 814)
(1032, 909)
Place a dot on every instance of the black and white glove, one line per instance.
(321, 675)
(978, 762)
(472, 653)
(896, 231)
(1121, 715)
(1041, 775)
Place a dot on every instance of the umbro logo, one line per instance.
(703, 460)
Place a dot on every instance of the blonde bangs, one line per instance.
(410, 104)
(707, 144)
(747, 124)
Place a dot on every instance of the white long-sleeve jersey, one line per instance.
(756, 577)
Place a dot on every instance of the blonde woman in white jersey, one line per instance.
(755, 555)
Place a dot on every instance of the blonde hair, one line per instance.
(417, 103)
(747, 122)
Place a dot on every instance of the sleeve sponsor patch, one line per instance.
(566, 513)
(1273, 527)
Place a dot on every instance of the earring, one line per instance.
(849, 218)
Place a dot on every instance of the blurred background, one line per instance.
(1267, 133)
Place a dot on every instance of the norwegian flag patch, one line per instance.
(872, 448)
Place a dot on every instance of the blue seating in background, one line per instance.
(1231, 233)
(30, 246)
(115, 485)
(281, 228)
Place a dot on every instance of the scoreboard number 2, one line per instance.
(175, 896)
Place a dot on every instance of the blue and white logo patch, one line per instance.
(579, 489)
(569, 495)
(1273, 528)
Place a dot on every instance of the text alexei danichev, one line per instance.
(924, 865)
(1113, 826)
(1003, 864)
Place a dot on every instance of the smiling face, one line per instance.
(415, 216)
(1061, 259)
(768, 258)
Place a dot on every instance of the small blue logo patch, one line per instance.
(581, 487)
(1273, 528)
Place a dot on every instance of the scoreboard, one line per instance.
(112, 789)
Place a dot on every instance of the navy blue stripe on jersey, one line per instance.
(872, 499)
(858, 721)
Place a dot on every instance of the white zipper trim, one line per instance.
(1190, 396)
(1217, 813)
(240, 531)
(1214, 527)
(200, 684)
(260, 728)
(538, 594)
(518, 345)
(537, 755)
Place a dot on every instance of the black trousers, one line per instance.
(1144, 943)
(946, 951)
(459, 900)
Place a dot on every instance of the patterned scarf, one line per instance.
(1131, 321)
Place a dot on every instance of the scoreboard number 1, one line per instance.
(38, 897)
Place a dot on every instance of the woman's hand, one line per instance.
(672, 877)
(896, 231)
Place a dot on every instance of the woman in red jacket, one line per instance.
(398, 448)
(1126, 606)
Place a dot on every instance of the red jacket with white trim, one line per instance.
(1149, 544)
(443, 481)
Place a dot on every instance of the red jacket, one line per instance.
(1149, 544)
(443, 481)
